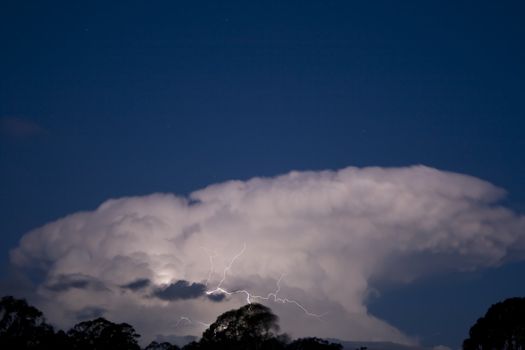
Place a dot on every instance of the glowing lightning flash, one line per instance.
(188, 320)
(211, 254)
(249, 297)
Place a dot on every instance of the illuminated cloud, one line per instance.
(328, 233)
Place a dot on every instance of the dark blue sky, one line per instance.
(102, 100)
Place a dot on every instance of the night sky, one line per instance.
(102, 100)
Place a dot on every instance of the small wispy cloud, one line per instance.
(20, 128)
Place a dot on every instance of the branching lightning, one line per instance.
(211, 255)
(273, 296)
(187, 320)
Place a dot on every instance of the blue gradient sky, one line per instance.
(102, 100)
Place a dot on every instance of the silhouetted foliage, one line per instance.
(161, 346)
(502, 327)
(61, 341)
(252, 326)
(101, 334)
(22, 326)
(313, 344)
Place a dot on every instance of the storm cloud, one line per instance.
(328, 234)
(180, 290)
(90, 313)
(63, 283)
(136, 285)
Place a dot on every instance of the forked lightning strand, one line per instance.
(250, 297)
(189, 321)
(211, 254)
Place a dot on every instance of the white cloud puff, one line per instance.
(329, 233)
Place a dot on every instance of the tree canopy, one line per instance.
(502, 327)
(313, 344)
(252, 326)
(102, 334)
(23, 326)
(161, 346)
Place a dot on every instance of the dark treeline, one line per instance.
(252, 326)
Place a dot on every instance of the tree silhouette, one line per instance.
(312, 344)
(161, 346)
(23, 326)
(502, 327)
(252, 326)
(101, 334)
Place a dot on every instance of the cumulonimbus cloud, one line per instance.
(326, 234)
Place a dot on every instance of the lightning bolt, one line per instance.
(188, 320)
(249, 296)
(211, 255)
(219, 288)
